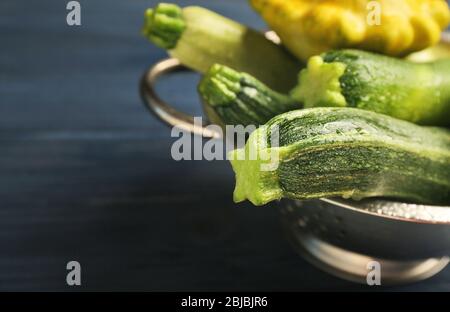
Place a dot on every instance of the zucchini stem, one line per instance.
(238, 98)
(164, 25)
(319, 85)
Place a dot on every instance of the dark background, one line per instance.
(86, 172)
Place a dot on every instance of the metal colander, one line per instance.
(410, 242)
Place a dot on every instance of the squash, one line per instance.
(311, 27)
(416, 92)
(348, 152)
(200, 38)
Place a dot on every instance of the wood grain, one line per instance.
(86, 173)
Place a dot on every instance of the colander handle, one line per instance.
(164, 111)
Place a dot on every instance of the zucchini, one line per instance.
(240, 99)
(416, 92)
(348, 152)
(200, 38)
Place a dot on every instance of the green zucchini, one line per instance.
(348, 152)
(416, 92)
(240, 99)
(200, 38)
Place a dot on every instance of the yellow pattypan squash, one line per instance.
(393, 27)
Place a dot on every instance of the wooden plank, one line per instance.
(86, 173)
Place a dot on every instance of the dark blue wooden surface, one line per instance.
(86, 172)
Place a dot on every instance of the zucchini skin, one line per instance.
(415, 92)
(348, 152)
(240, 99)
(199, 38)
